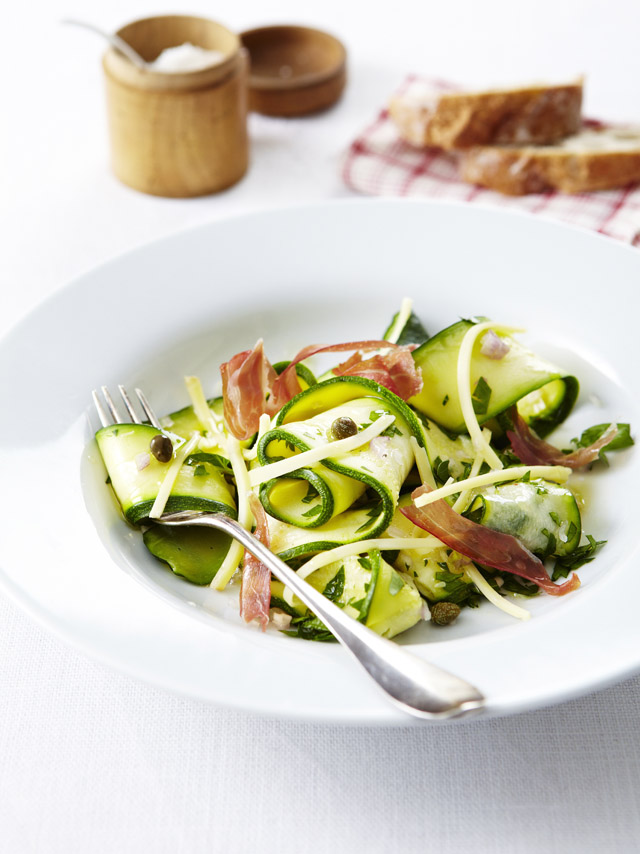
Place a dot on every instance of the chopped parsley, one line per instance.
(583, 554)
(335, 588)
(480, 397)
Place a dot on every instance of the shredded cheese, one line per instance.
(557, 474)
(464, 389)
(316, 455)
(170, 477)
(461, 501)
(350, 549)
(233, 450)
(422, 462)
(245, 516)
(406, 307)
(201, 407)
(493, 596)
(263, 425)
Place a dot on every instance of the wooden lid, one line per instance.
(294, 70)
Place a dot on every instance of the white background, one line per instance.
(93, 762)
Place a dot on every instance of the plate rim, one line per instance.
(15, 330)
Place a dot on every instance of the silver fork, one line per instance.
(416, 686)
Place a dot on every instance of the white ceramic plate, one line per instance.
(325, 273)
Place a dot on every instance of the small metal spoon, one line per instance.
(115, 40)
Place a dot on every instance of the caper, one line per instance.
(443, 613)
(161, 448)
(343, 427)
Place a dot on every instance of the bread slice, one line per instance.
(594, 159)
(531, 115)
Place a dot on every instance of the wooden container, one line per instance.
(181, 134)
(295, 71)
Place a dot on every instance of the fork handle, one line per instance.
(418, 687)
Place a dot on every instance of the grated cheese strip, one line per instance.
(406, 307)
(464, 388)
(316, 455)
(263, 425)
(166, 486)
(350, 549)
(493, 596)
(422, 462)
(245, 516)
(557, 474)
(461, 500)
(233, 450)
(201, 407)
(383, 543)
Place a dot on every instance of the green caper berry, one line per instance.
(444, 613)
(343, 427)
(161, 448)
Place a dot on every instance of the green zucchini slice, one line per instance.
(305, 375)
(435, 571)
(548, 406)
(449, 456)
(311, 497)
(337, 391)
(184, 422)
(292, 543)
(503, 381)
(200, 485)
(545, 517)
(194, 553)
(368, 589)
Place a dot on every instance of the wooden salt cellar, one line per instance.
(181, 134)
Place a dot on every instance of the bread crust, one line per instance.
(532, 115)
(518, 171)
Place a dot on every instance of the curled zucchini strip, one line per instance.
(311, 497)
(495, 383)
(136, 476)
(366, 587)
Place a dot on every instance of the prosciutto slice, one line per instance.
(482, 545)
(534, 451)
(394, 370)
(251, 387)
(255, 591)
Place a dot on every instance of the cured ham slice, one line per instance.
(255, 592)
(394, 370)
(482, 545)
(251, 387)
(534, 451)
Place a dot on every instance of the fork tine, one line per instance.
(115, 415)
(128, 404)
(144, 403)
(102, 415)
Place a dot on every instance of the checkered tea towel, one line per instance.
(379, 163)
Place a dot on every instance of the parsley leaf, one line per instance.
(441, 470)
(480, 397)
(313, 511)
(584, 554)
(591, 434)
(312, 493)
(395, 584)
(335, 588)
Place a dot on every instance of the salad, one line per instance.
(407, 482)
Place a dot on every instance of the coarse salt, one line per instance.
(185, 57)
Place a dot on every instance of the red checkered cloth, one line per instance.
(379, 163)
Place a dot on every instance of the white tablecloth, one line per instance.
(91, 761)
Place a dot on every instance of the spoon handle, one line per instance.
(115, 40)
(415, 685)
